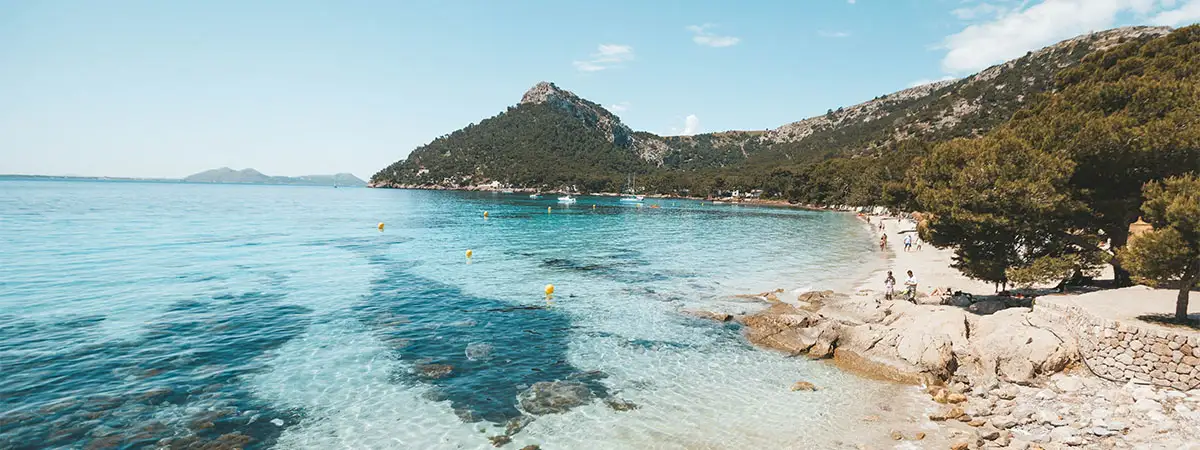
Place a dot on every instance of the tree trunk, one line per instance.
(1181, 304)
(1185, 288)
(1118, 238)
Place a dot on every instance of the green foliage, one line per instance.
(1054, 269)
(1159, 258)
(1170, 254)
(1036, 192)
(534, 145)
(854, 155)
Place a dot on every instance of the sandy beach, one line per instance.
(930, 265)
(1079, 372)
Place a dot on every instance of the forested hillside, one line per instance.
(857, 154)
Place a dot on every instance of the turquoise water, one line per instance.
(154, 314)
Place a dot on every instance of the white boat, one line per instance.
(568, 199)
(632, 195)
(534, 196)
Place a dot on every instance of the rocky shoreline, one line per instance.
(1004, 379)
(1000, 372)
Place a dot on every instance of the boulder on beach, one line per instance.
(550, 397)
(931, 339)
(1008, 345)
(781, 327)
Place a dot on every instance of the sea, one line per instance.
(172, 315)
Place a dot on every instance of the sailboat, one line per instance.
(568, 199)
(632, 196)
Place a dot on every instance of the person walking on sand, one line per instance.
(907, 242)
(910, 287)
(889, 286)
(883, 243)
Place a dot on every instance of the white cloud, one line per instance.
(702, 36)
(1187, 14)
(982, 10)
(619, 107)
(1019, 30)
(927, 81)
(691, 125)
(850, 2)
(834, 34)
(607, 56)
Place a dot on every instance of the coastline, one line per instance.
(527, 190)
(998, 375)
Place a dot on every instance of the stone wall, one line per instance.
(1123, 351)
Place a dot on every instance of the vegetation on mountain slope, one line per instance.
(1068, 172)
(556, 140)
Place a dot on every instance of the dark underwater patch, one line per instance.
(73, 392)
(438, 331)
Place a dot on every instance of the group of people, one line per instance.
(889, 283)
(910, 287)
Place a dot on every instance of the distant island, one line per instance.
(251, 176)
(221, 175)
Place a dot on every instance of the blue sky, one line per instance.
(152, 88)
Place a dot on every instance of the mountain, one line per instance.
(553, 139)
(227, 175)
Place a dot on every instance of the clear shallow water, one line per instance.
(278, 316)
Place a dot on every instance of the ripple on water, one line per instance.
(323, 332)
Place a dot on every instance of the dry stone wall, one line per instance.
(1123, 351)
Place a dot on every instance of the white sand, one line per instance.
(930, 265)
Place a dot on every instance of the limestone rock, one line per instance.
(710, 315)
(1004, 422)
(549, 397)
(1007, 345)
(1069, 384)
(948, 413)
(434, 370)
(928, 339)
(803, 386)
(500, 440)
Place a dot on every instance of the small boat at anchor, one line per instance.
(568, 199)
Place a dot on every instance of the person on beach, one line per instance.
(910, 287)
(883, 243)
(907, 242)
(889, 286)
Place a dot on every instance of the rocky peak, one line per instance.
(590, 113)
(542, 92)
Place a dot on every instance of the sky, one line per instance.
(165, 89)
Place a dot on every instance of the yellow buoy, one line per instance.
(469, 253)
(548, 209)
(380, 226)
(485, 214)
(593, 206)
(549, 290)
